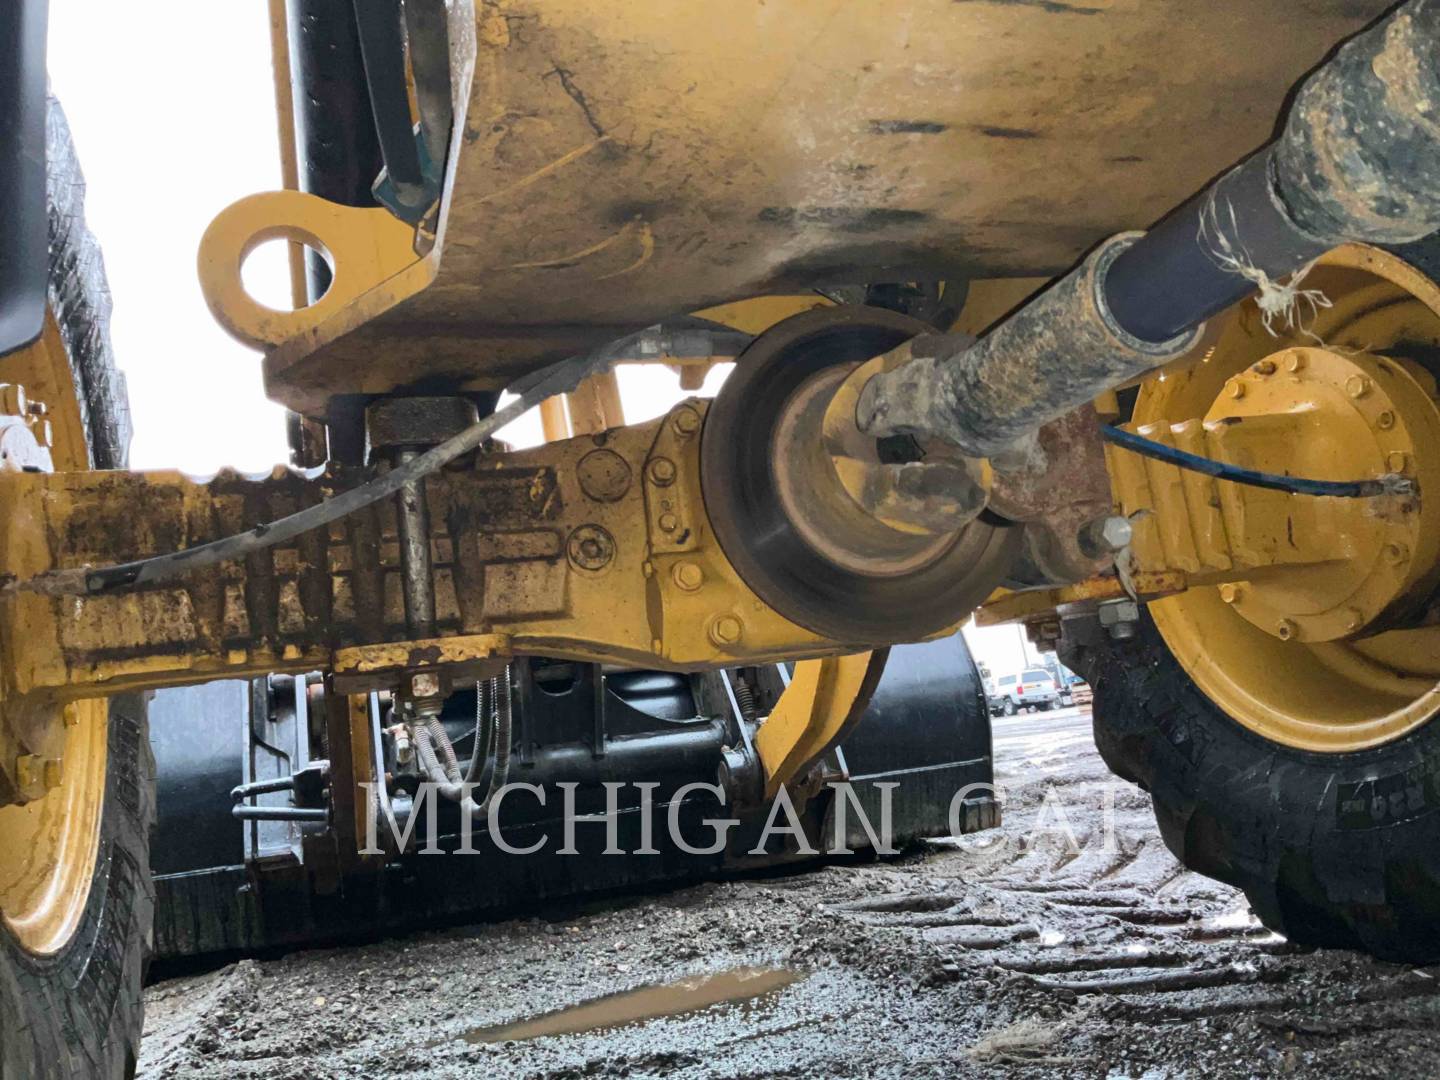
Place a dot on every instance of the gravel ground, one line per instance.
(1070, 944)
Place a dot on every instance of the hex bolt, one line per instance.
(1285, 629)
(1357, 386)
(662, 471)
(1235, 388)
(688, 576)
(1230, 592)
(425, 684)
(12, 399)
(686, 422)
(26, 766)
(1385, 421)
(1117, 532)
(726, 630)
(1120, 618)
(1294, 361)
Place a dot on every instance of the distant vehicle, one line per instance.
(1033, 687)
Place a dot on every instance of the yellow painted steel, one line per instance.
(57, 759)
(371, 256)
(812, 713)
(1310, 631)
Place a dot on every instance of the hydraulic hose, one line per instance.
(1358, 161)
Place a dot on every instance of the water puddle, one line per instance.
(633, 1007)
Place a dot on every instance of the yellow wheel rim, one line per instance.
(47, 856)
(49, 846)
(1334, 696)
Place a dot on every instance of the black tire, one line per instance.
(78, 1012)
(1338, 850)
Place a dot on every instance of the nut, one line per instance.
(1396, 553)
(425, 684)
(54, 773)
(726, 630)
(688, 576)
(1385, 421)
(1285, 629)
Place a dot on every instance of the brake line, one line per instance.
(1389, 484)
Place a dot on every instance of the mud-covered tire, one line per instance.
(1338, 850)
(78, 1012)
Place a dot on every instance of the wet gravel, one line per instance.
(1069, 943)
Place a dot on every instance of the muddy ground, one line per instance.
(1030, 956)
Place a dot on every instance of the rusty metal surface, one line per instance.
(598, 548)
(624, 162)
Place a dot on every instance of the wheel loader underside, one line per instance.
(837, 197)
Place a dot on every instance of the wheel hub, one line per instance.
(1326, 568)
(1322, 628)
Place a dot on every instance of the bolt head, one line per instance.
(726, 630)
(688, 576)
(1235, 388)
(1354, 618)
(53, 773)
(686, 421)
(669, 522)
(1117, 532)
(1357, 386)
(12, 399)
(1395, 461)
(1264, 367)
(27, 770)
(1229, 592)
(662, 471)
(1285, 629)
(1294, 361)
(425, 684)
(1385, 421)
